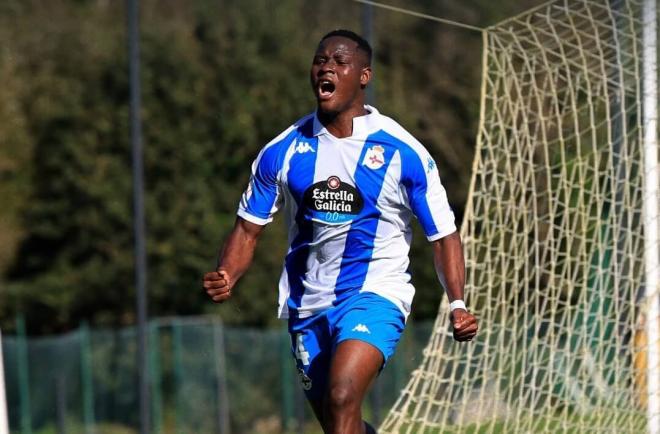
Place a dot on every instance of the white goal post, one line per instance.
(560, 235)
(651, 198)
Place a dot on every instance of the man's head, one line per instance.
(340, 71)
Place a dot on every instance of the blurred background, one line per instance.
(219, 79)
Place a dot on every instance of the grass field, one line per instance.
(611, 420)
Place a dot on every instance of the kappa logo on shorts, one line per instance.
(361, 328)
(304, 379)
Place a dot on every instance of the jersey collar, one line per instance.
(362, 125)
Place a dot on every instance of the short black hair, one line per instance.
(361, 42)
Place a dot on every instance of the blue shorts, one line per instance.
(367, 317)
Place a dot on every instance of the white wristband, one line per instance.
(457, 304)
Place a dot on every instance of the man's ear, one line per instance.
(365, 76)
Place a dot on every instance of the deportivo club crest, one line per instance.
(304, 379)
(375, 157)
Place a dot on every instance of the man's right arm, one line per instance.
(235, 258)
(261, 199)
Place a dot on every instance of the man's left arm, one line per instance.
(450, 268)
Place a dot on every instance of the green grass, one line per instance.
(612, 420)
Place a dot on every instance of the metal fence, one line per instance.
(204, 378)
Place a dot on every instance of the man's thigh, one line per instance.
(354, 366)
(371, 327)
(365, 333)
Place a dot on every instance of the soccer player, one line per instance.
(349, 181)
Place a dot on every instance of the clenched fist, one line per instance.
(217, 285)
(465, 325)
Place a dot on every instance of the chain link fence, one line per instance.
(205, 378)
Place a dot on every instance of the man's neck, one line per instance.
(340, 124)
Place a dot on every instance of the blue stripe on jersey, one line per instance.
(360, 238)
(296, 260)
(413, 178)
(264, 181)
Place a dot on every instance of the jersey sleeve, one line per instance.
(425, 195)
(262, 197)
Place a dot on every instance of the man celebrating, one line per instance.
(349, 180)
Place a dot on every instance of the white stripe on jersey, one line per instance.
(438, 203)
(326, 251)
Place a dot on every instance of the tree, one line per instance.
(219, 81)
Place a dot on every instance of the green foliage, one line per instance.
(77, 222)
(219, 80)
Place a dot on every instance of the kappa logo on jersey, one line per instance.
(334, 196)
(361, 328)
(430, 165)
(375, 157)
(303, 147)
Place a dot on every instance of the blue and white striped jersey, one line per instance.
(348, 204)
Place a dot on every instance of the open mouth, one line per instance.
(326, 89)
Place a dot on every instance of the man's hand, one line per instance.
(234, 259)
(465, 325)
(217, 285)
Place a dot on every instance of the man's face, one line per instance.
(338, 75)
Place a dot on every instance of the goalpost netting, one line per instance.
(553, 236)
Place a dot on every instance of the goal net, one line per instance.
(553, 237)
